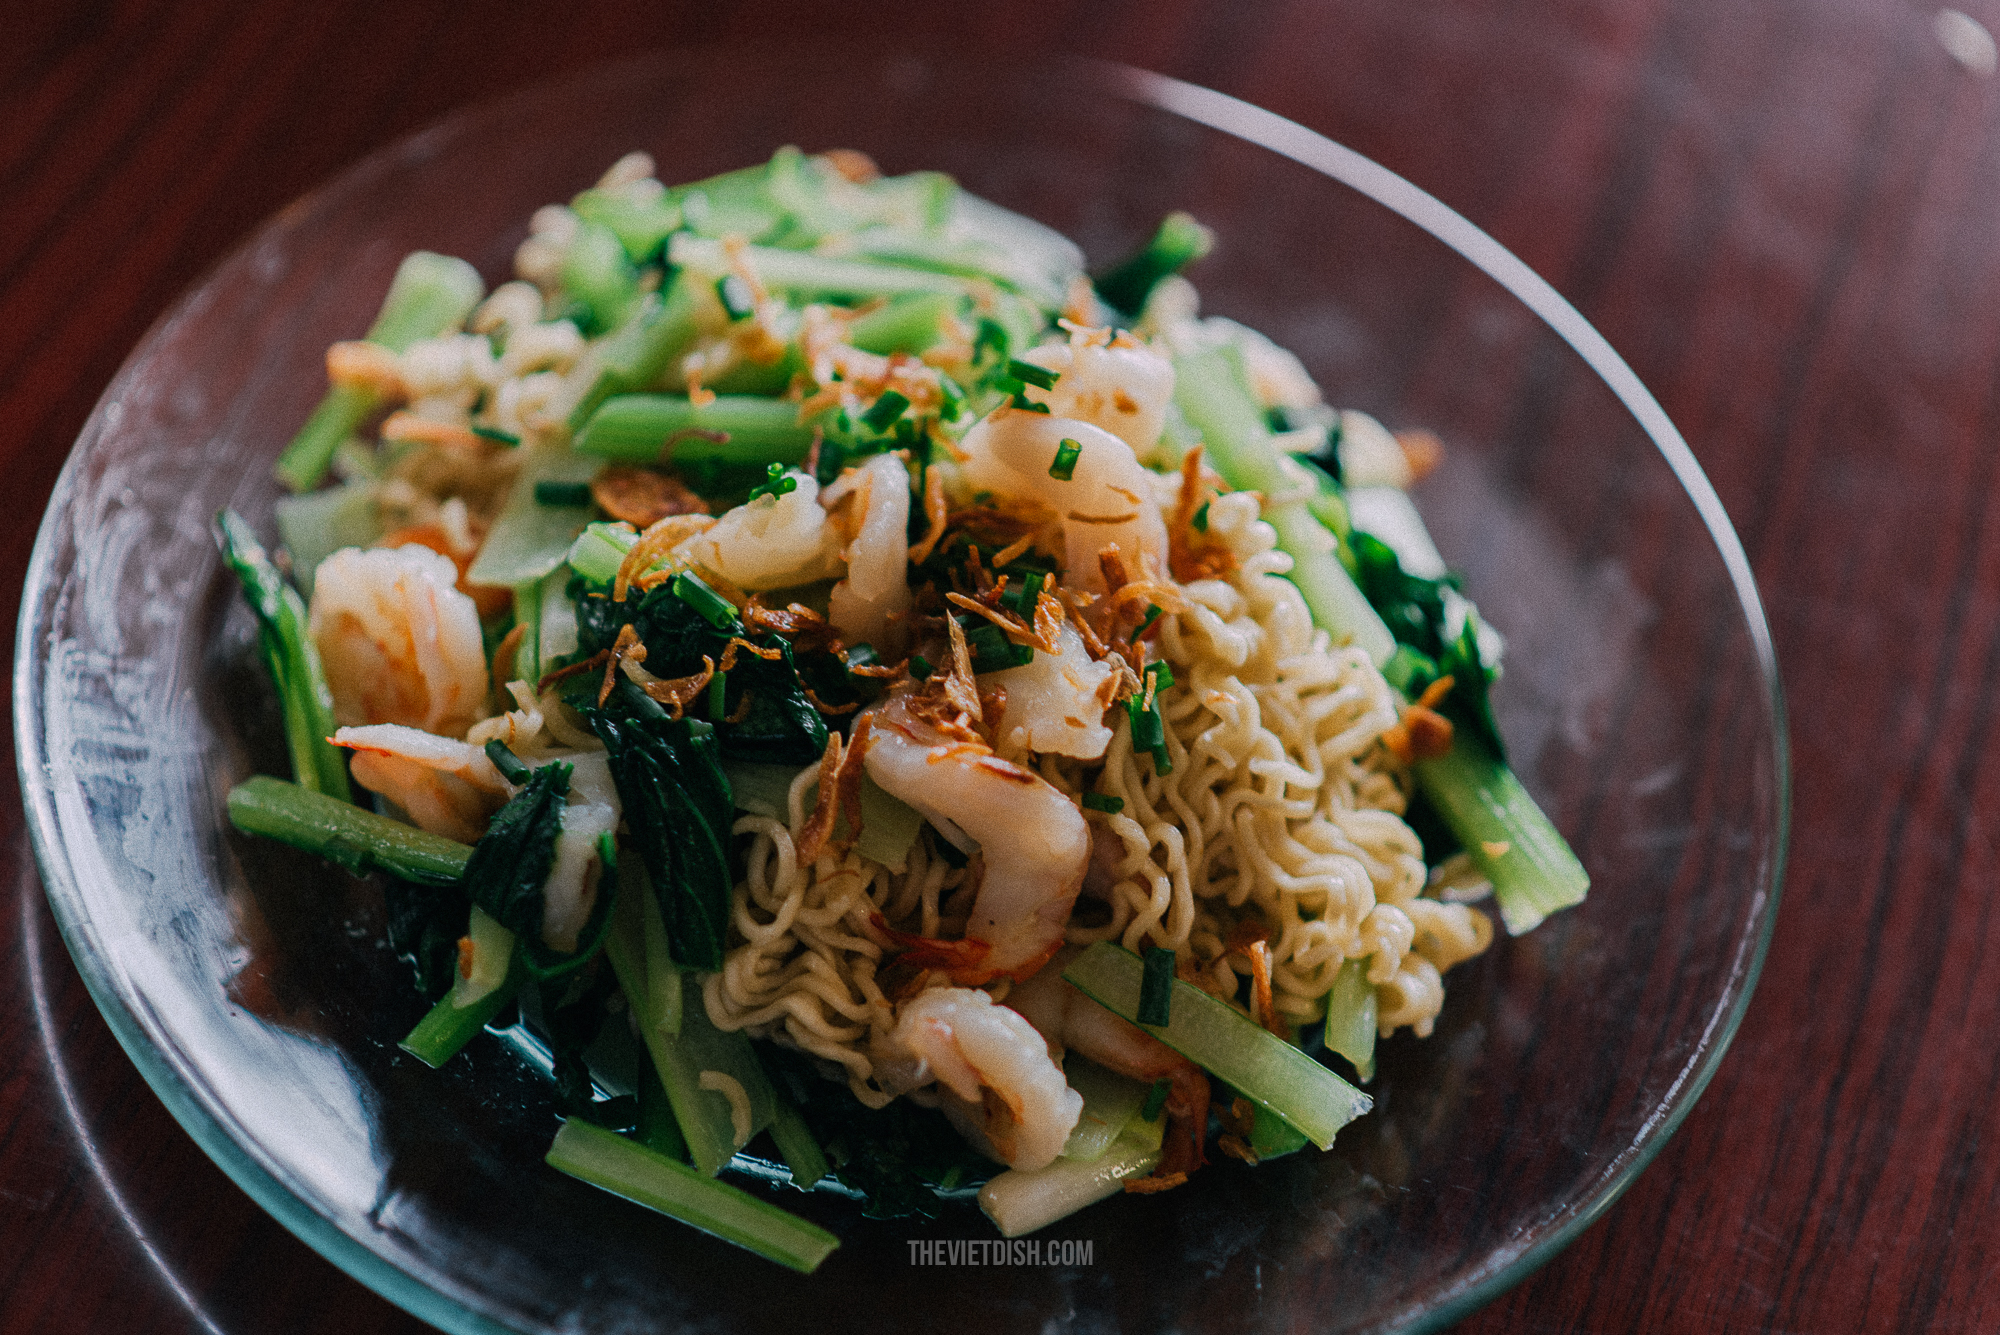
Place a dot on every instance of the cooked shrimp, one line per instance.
(996, 1080)
(1055, 702)
(400, 642)
(1109, 499)
(1071, 1021)
(1124, 389)
(877, 586)
(1035, 841)
(449, 787)
(772, 542)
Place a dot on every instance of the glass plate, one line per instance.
(252, 988)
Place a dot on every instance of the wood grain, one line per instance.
(1784, 215)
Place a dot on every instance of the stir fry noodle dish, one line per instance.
(867, 703)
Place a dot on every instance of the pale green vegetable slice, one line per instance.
(1020, 1202)
(530, 538)
(1110, 1102)
(1215, 1036)
(625, 1168)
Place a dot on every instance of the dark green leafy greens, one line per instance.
(1419, 613)
(572, 1014)
(678, 809)
(897, 1157)
(510, 866)
(424, 925)
(778, 726)
(511, 861)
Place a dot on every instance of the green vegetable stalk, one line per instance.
(639, 428)
(1178, 242)
(626, 1168)
(431, 295)
(1533, 871)
(1264, 1068)
(341, 832)
(1212, 393)
(294, 664)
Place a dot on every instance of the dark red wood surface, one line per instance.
(1784, 213)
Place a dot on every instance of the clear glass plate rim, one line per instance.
(426, 1297)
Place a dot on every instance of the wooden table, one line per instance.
(1785, 214)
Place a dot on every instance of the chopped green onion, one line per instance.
(1201, 518)
(1153, 612)
(511, 766)
(992, 651)
(562, 493)
(1041, 377)
(951, 399)
(736, 297)
(1156, 988)
(494, 433)
(991, 337)
(718, 695)
(885, 411)
(920, 667)
(1104, 802)
(776, 483)
(1149, 732)
(1162, 673)
(1022, 597)
(625, 1168)
(715, 609)
(1156, 1100)
(1064, 467)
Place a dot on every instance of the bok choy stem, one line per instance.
(1534, 872)
(643, 428)
(1512, 840)
(341, 832)
(625, 1168)
(449, 1026)
(431, 295)
(1212, 393)
(292, 659)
